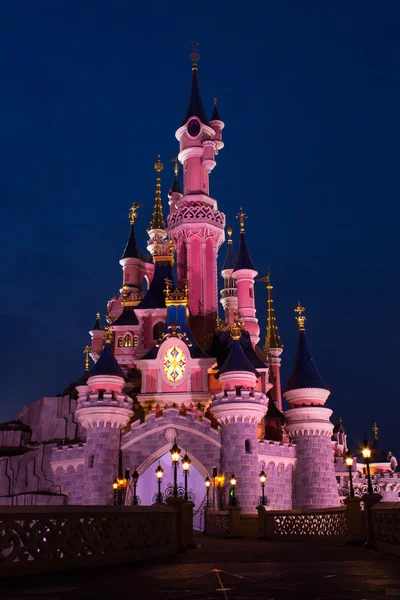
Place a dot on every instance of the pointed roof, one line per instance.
(157, 220)
(243, 260)
(131, 248)
(175, 186)
(272, 339)
(195, 107)
(237, 361)
(97, 326)
(305, 373)
(215, 115)
(127, 317)
(230, 255)
(155, 295)
(107, 364)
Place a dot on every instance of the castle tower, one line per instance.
(244, 273)
(97, 335)
(175, 193)
(229, 299)
(273, 346)
(238, 408)
(309, 427)
(102, 410)
(195, 224)
(156, 230)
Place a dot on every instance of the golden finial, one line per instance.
(176, 165)
(215, 100)
(158, 165)
(195, 56)
(236, 330)
(300, 316)
(108, 336)
(241, 216)
(98, 316)
(375, 429)
(157, 222)
(133, 212)
(229, 232)
(272, 338)
(86, 352)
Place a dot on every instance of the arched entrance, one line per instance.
(147, 484)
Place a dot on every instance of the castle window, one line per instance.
(127, 341)
(135, 341)
(247, 446)
(157, 330)
(91, 462)
(119, 343)
(251, 292)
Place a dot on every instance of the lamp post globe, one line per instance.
(366, 452)
(159, 475)
(208, 484)
(175, 455)
(186, 466)
(232, 496)
(349, 463)
(263, 479)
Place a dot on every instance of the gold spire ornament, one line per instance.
(272, 339)
(241, 216)
(229, 231)
(375, 429)
(215, 100)
(176, 165)
(108, 336)
(98, 316)
(157, 221)
(133, 212)
(86, 352)
(300, 316)
(195, 56)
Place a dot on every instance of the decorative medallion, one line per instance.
(174, 363)
(193, 127)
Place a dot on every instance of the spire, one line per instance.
(215, 116)
(195, 107)
(230, 257)
(272, 339)
(107, 364)
(97, 326)
(375, 429)
(157, 221)
(305, 373)
(243, 260)
(175, 186)
(131, 249)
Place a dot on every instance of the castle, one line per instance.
(166, 369)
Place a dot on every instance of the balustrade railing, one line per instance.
(216, 522)
(34, 539)
(299, 524)
(386, 526)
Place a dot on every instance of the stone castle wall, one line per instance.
(52, 418)
(278, 460)
(68, 465)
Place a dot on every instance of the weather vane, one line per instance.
(133, 212)
(176, 165)
(195, 56)
(241, 216)
(300, 316)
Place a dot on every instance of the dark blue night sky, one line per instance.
(92, 91)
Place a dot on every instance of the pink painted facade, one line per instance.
(164, 368)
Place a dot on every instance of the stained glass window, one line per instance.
(174, 363)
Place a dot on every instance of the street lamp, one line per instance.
(175, 454)
(366, 452)
(159, 474)
(263, 479)
(208, 483)
(232, 497)
(349, 463)
(135, 477)
(186, 465)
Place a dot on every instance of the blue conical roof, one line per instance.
(155, 295)
(243, 260)
(305, 373)
(230, 257)
(107, 364)
(237, 361)
(131, 248)
(195, 107)
(97, 326)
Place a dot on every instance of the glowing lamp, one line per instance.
(233, 481)
(263, 477)
(366, 452)
(115, 485)
(159, 472)
(175, 453)
(349, 460)
(186, 463)
(207, 482)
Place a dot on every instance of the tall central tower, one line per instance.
(195, 224)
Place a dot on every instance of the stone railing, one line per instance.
(38, 539)
(385, 521)
(297, 524)
(216, 522)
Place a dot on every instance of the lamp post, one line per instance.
(159, 474)
(135, 477)
(349, 464)
(208, 483)
(366, 452)
(232, 497)
(119, 486)
(186, 466)
(263, 479)
(175, 454)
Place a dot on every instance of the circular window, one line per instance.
(194, 127)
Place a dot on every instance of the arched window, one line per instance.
(135, 341)
(119, 343)
(157, 330)
(91, 462)
(247, 446)
(127, 341)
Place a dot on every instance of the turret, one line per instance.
(97, 334)
(273, 346)
(238, 408)
(309, 427)
(102, 410)
(229, 299)
(175, 193)
(217, 124)
(131, 261)
(245, 273)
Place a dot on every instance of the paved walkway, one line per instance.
(229, 570)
